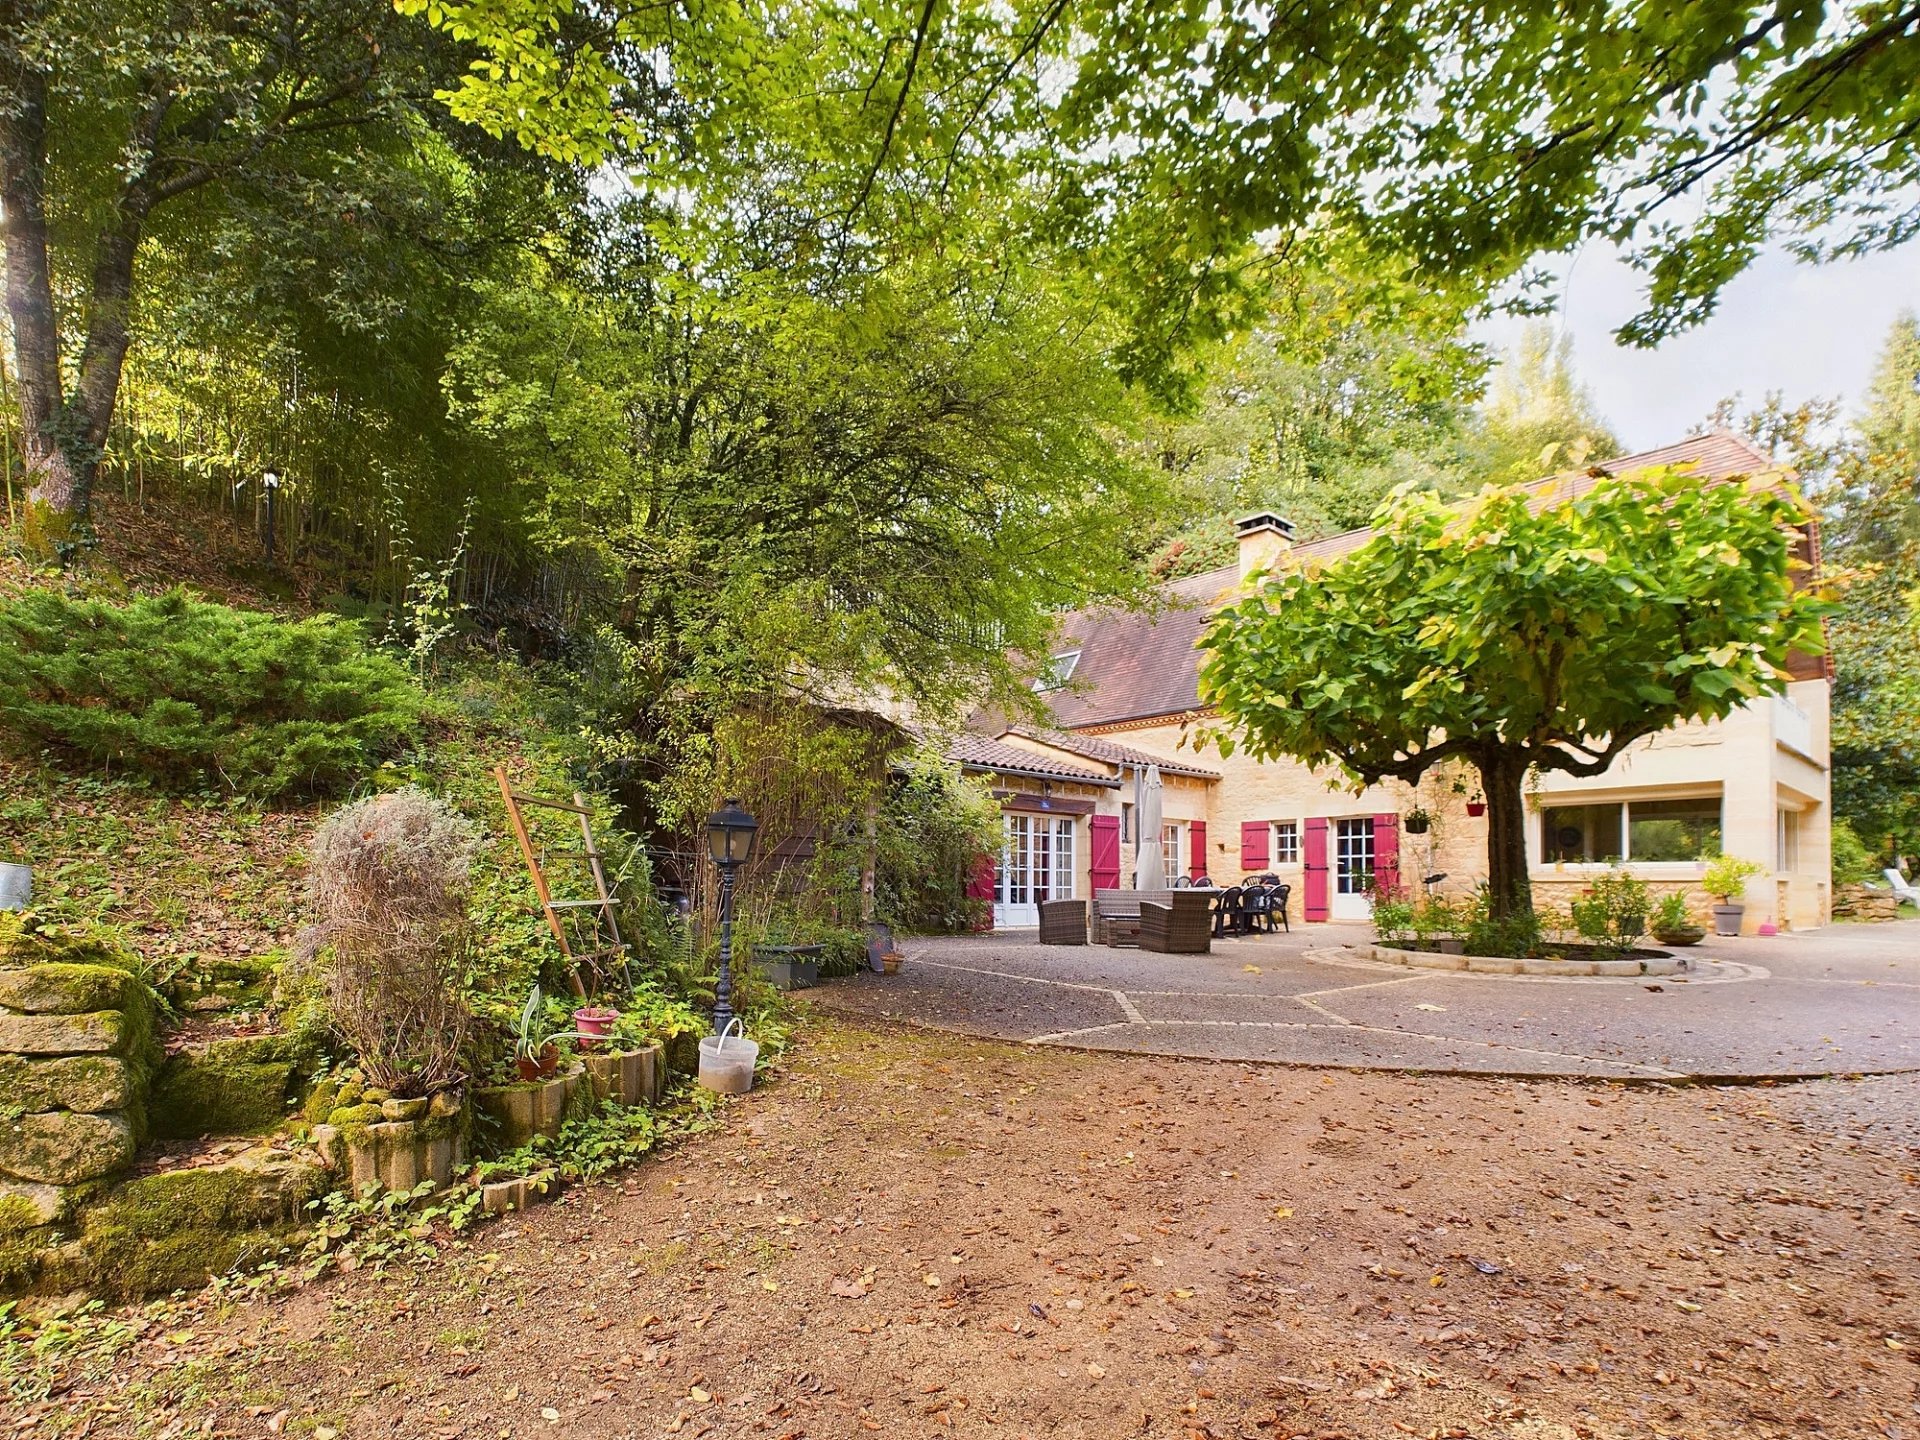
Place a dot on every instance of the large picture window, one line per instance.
(1643, 831)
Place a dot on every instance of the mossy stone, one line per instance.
(196, 1094)
(89, 1083)
(62, 1148)
(102, 1032)
(174, 1230)
(67, 989)
(25, 939)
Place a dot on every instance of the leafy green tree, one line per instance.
(806, 483)
(1873, 523)
(286, 139)
(1346, 386)
(1164, 134)
(1538, 417)
(1517, 639)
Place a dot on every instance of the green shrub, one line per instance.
(935, 827)
(186, 691)
(1852, 861)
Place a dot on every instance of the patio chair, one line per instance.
(1230, 911)
(1063, 922)
(1182, 882)
(1277, 905)
(1181, 925)
(1903, 888)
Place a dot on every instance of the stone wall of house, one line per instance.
(1744, 759)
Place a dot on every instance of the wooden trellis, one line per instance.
(586, 930)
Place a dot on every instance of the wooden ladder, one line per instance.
(587, 931)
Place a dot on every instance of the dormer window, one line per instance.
(1058, 671)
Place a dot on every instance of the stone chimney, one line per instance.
(1264, 537)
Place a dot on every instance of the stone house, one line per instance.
(1123, 694)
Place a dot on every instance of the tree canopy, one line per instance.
(1164, 137)
(1516, 636)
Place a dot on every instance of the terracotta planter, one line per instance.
(538, 1069)
(890, 963)
(594, 1023)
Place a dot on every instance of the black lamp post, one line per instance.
(730, 836)
(270, 482)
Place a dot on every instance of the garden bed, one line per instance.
(1566, 960)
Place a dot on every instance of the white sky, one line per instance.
(1806, 330)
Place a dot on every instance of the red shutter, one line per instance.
(1104, 866)
(1198, 831)
(984, 885)
(1253, 844)
(1386, 853)
(1314, 868)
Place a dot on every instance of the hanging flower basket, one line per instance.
(1476, 808)
(1416, 822)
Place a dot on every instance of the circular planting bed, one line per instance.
(1635, 964)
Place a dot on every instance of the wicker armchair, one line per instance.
(1063, 922)
(1179, 925)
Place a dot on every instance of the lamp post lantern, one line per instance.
(730, 836)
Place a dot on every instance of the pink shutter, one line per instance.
(1198, 831)
(1104, 865)
(1253, 844)
(1386, 853)
(984, 885)
(1314, 868)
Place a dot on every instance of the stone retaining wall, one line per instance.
(76, 1056)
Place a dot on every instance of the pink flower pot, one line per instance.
(594, 1023)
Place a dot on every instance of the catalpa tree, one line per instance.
(1517, 636)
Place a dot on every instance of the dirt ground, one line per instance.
(917, 1235)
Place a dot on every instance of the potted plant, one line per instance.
(1727, 876)
(1476, 808)
(1416, 821)
(595, 1023)
(1673, 925)
(536, 1048)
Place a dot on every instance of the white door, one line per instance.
(1038, 863)
(1352, 868)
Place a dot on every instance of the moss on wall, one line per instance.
(230, 1087)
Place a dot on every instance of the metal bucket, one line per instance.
(16, 886)
(727, 1068)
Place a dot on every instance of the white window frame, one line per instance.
(1288, 854)
(1173, 849)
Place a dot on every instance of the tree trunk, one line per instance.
(52, 484)
(1503, 779)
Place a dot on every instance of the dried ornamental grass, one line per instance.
(388, 879)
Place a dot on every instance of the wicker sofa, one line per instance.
(1180, 925)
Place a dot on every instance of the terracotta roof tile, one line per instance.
(1136, 666)
(973, 751)
(1095, 747)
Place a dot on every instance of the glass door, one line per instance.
(1352, 867)
(1038, 862)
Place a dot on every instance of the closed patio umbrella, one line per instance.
(1149, 867)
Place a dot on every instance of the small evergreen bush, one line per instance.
(186, 691)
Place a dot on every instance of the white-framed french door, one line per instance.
(1038, 862)
(1352, 867)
